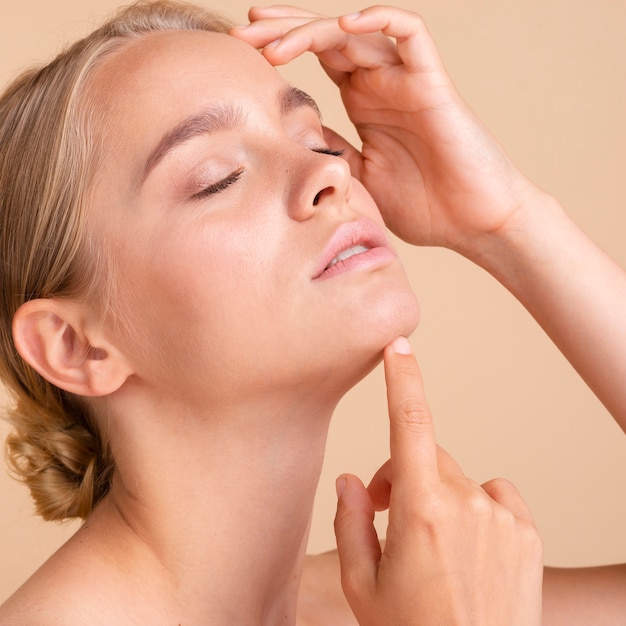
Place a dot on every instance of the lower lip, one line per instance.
(374, 257)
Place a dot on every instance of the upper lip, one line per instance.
(349, 234)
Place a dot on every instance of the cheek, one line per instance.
(366, 205)
(194, 299)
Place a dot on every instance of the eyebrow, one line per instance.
(291, 98)
(206, 122)
(219, 118)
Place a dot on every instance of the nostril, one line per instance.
(319, 194)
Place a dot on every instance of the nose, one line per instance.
(319, 180)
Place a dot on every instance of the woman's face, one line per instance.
(226, 218)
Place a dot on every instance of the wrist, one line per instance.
(522, 243)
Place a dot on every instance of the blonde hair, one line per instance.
(48, 159)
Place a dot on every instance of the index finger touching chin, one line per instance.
(412, 435)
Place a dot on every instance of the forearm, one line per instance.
(579, 597)
(574, 290)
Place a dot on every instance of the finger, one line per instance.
(379, 488)
(357, 542)
(412, 435)
(506, 494)
(322, 36)
(283, 39)
(263, 32)
(415, 45)
(279, 10)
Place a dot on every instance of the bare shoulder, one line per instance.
(49, 598)
(60, 596)
(21, 610)
(321, 601)
(73, 587)
(13, 612)
(34, 605)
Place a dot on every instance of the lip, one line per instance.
(358, 232)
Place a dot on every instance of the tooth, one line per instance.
(358, 249)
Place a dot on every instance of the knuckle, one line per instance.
(501, 486)
(352, 582)
(478, 504)
(416, 20)
(349, 581)
(413, 414)
(347, 522)
(428, 512)
(344, 520)
(356, 585)
(532, 538)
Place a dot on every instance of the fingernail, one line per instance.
(353, 16)
(274, 44)
(241, 26)
(340, 485)
(401, 345)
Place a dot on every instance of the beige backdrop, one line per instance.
(549, 78)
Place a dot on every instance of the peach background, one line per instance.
(548, 77)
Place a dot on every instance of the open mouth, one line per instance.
(346, 254)
(355, 245)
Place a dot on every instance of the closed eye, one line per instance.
(329, 151)
(219, 186)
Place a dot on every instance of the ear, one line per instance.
(55, 338)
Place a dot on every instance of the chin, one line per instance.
(400, 319)
(351, 345)
(395, 314)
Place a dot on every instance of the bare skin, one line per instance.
(410, 577)
(208, 446)
(164, 567)
(571, 597)
(222, 242)
(321, 600)
(441, 179)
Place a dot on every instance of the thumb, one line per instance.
(357, 542)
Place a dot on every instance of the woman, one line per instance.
(185, 250)
(164, 226)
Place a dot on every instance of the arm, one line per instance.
(579, 597)
(573, 289)
(441, 179)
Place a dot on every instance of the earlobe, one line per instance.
(54, 338)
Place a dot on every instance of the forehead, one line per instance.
(175, 57)
(153, 82)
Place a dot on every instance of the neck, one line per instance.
(219, 506)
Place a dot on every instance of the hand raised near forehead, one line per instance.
(285, 32)
(456, 552)
(437, 175)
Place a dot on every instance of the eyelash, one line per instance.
(336, 153)
(231, 179)
(220, 185)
